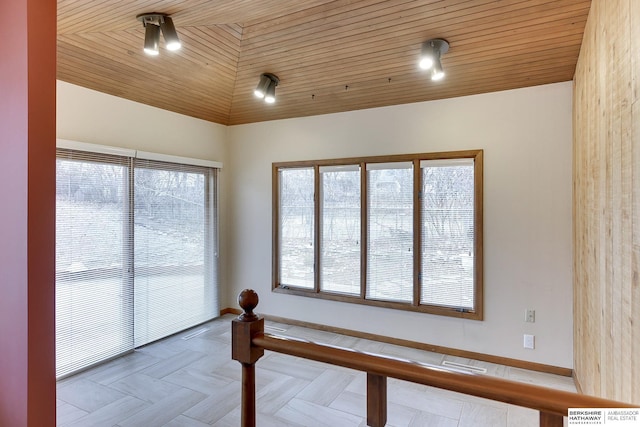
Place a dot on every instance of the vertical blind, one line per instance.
(136, 254)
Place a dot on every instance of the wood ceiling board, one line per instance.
(367, 51)
(105, 15)
(243, 11)
(315, 47)
(414, 23)
(100, 16)
(328, 105)
(323, 50)
(157, 90)
(347, 73)
(403, 91)
(480, 70)
(346, 68)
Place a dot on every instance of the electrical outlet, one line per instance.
(529, 341)
(530, 315)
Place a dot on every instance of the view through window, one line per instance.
(396, 231)
(135, 253)
(340, 228)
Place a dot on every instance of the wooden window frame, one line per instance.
(477, 155)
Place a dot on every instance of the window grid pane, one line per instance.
(93, 292)
(340, 230)
(174, 288)
(447, 235)
(390, 233)
(296, 196)
(434, 194)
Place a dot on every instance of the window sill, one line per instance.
(430, 309)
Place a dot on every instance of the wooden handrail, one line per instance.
(499, 389)
(249, 342)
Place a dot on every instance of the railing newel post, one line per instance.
(243, 329)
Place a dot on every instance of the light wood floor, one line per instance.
(185, 381)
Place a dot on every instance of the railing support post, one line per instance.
(550, 420)
(243, 329)
(376, 400)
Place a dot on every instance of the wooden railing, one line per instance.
(249, 342)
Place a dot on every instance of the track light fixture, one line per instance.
(266, 88)
(153, 24)
(152, 39)
(430, 57)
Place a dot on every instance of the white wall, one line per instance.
(88, 116)
(526, 137)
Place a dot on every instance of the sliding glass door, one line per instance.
(136, 254)
(174, 286)
(94, 298)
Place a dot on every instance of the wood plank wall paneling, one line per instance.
(607, 203)
(635, 196)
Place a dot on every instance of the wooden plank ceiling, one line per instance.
(330, 56)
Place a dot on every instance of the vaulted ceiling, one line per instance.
(330, 56)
